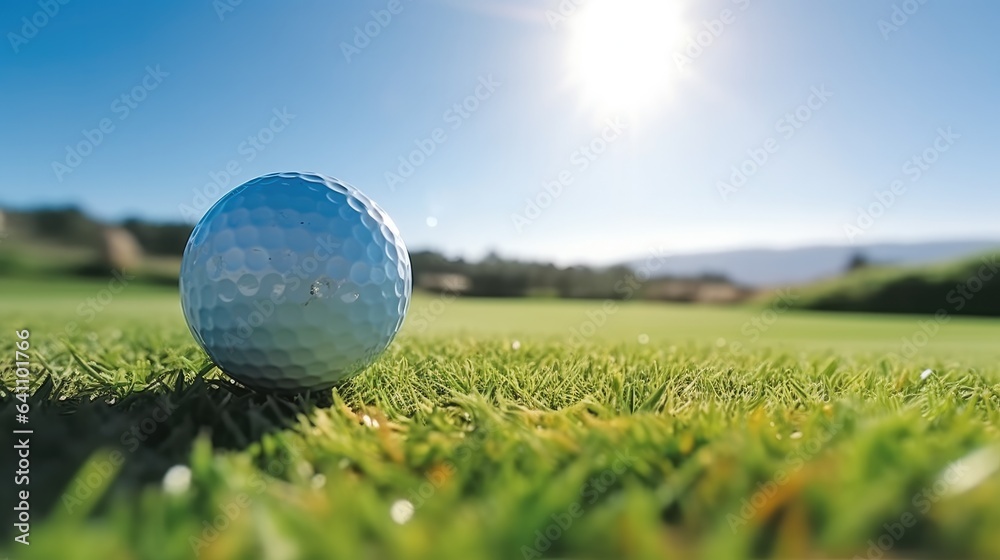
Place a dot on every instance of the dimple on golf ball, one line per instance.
(295, 281)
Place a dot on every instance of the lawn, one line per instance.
(511, 429)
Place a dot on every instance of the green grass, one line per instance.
(671, 432)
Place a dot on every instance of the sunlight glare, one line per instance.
(620, 53)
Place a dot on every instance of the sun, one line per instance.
(620, 53)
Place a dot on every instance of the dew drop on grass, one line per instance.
(318, 481)
(969, 471)
(177, 480)
(304, 470)
(401, 511)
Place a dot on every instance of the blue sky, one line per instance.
(635, 113)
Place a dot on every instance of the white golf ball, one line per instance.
(295, 281)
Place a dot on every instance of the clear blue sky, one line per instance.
(199, 79)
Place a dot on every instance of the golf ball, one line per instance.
(294, 281)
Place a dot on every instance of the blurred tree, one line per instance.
(159, 239)
(67, 226)
(858, 261)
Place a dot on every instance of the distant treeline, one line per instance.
(71, 227)
(491, 277)
(494, 277)
(497, 277)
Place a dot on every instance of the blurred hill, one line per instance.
(964, 287)
(781, 267)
